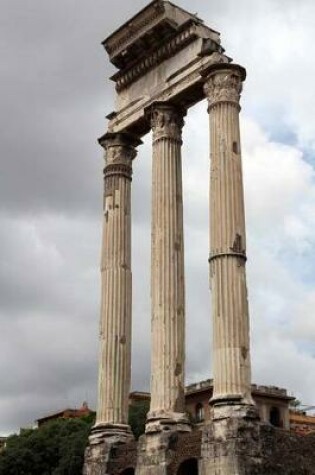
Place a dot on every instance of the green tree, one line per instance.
(137, 417)
(57, 448)
(295, 403)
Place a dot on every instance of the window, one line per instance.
(199, 412)
(274, 417)
(189, 467)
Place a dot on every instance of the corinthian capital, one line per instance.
(167, 121)
(224, 84)
(120, 150)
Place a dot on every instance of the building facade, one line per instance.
(68, 413)
(273, 403)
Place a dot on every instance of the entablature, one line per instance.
(158, 21)
(161, 55)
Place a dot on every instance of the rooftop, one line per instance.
(207, 384)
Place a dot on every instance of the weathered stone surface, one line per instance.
(168, 60)
(163, 453)
(122, 457)
(230, 444)
(247, 448)
(142, 33)
(242, 446)
(188, 446)
(286, 454)
(167, 272)
(110, 457)
(96, 459)
(231, 347)
(115, 322)
(160, 53)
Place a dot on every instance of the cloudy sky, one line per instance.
(54, 97)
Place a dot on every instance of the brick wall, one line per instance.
(123, 457)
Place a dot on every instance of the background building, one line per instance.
(273, 403)
(68, 413)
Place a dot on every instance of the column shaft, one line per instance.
(167, 267)
(231, 369)
(115, 323)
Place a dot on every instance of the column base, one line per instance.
(246, 412)
(161, 453)
(103, 438)
(160, 421)
(152, 454)
(231, 399)
(231, 442)
(111, 433)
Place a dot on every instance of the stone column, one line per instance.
(167, 272)
(231, 365)
(115, 323)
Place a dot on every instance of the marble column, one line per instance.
(116, 281)
(231, 346)
(167, 272)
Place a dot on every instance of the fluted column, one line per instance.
(231, 365)
(115, 323)
(167, 270)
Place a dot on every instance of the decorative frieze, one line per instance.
(134, 28)
(126, 76)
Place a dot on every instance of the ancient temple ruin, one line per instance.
(167, 61)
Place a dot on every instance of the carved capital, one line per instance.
(120, 150)
(224, 84)
(167, 122)
(118, 169)
(119, 154)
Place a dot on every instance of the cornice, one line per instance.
(138, 24)
(127, 76)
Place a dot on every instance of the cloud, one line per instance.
(280, 192)
(280, 187)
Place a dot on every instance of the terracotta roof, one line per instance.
(82, 410)
(301, 418)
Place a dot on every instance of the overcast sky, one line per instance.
(54, 98)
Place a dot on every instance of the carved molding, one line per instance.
(121, 38)
(223, 85)
(118, 159)
(125, 77)
(167, 122)
(119, 169)
(120, 150)
(119, 154)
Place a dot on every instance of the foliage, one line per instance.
(56, 448)
(295, 403)
(137, 417)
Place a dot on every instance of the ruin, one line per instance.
(167, 61)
